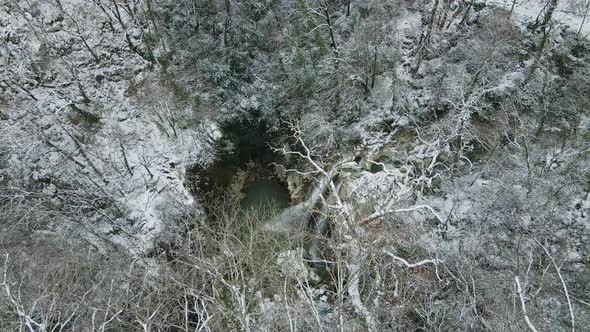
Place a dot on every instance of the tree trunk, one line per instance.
(466, 16)
(374, 67)
(426, 40)
(584, 17)
(150, 15)
(227, 24)
(547, 24)
(431, 21)
(546, 32)
(330, 30)
(443, 19)
(455, 14)
(348, 8)
(543, 115)
(511, 9)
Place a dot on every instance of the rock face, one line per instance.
(295, 187)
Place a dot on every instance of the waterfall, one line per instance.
(295, 217)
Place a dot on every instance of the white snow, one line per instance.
(526, 11)
(141, 163)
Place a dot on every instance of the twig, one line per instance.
(567, 295)
(523, 305)
(377, 215)
(407, 264)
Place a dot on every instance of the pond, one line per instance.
(265, 193)
(250, 155)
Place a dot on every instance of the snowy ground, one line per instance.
(74, 123)
(527, 11)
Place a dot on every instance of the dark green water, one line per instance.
(249, 140)
(266, 193)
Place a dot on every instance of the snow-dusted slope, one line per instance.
(76, 124)
(568, 12)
